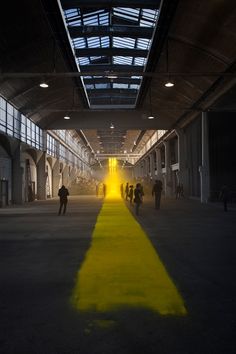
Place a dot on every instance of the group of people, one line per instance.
(134, 195)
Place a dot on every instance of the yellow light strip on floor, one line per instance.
(122, 269)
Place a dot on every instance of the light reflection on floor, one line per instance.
(122, 269)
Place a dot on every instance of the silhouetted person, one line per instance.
(131, 194)
(182, 190)
(97, 189)
(177, 191)
(126, 191)
(224, 196)
(137, 197)
(156, 191)
(122, 190)
(104, 190)
(63, 193)
(142, 191)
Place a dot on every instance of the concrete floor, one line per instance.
(40, 254)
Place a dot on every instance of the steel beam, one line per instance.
(105, 70)
(72, 4)
(105, 80)
(114, 70)
(110, 52)
(119, 31)
(112, 92)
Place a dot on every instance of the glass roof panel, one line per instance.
(122, 60)
(79, 43)
(122, 42)
(127, 13)
(134, 86)
(140, 61)
(120, 86)
(143, 43)
(83, 61)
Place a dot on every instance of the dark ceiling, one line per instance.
(195, 43)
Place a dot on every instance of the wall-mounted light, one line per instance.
(112, 126)
(67, 117)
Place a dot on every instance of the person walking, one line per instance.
(156, 191)
(224, 196)
(131, 194)
(177, 191)
(104, 190)
(63, 193)
(126, 191)
(137, 197)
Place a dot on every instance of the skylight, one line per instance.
(111, 42)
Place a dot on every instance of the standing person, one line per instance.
(182, 190)
(137, 197)
(224, 196)
(178, 191)
(156, 191)
(63, 193)
(122, 190)
(131, 194)
(104, 190)
(126, 191)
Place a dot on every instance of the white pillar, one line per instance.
(56, 176)
(204, 168)
(41, 177)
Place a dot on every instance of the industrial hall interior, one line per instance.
(118, 177)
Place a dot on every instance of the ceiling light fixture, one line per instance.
(169, 82)
(150, 116)
(43, 84)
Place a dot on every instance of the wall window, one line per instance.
(51, 146)
(3, 115)
(16, 124)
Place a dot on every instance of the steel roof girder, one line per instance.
(72, 4)
(119, 31)
(110, 52)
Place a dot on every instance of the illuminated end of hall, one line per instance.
(113, 180)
